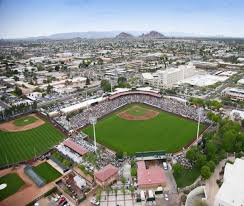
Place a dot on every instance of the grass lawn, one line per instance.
(25, 121)
(164, 132)
(14, 183)
(24, 145)
(187, 177)
(47, 172)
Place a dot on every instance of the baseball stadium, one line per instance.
(136, 121)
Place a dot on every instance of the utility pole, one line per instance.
(199, 121)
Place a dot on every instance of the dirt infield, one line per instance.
(147, 115)
(11, 127)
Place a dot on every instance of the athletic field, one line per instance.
(137, 128)
(13, 182)
(47, 172)
(24, 145)
(25, 121)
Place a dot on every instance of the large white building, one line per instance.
(172, 76)
(169, 77)
(231, 193)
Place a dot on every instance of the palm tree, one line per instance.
(132, 190)
(116, 193)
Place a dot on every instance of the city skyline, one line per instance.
(30, 18)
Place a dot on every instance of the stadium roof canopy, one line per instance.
(75, 147)
(150, 155)
(81, 105)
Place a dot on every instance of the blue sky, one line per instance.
(23, 18)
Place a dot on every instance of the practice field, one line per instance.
(24, 145)
(163, 131)
(47, 172)
(25, 121)
(14, 183)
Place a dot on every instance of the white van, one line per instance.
(165, 165)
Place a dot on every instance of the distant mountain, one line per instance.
(153, 35)
(72, 35)
(124, 35)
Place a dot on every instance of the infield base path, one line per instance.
(11, 127)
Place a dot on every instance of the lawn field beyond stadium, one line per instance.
(14, 183)
(24, 145)
(166, 131)
(47, 172)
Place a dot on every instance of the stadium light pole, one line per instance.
(199, 120)
(93, 121)
(111, 87)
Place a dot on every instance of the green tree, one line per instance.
(49, 88)
(16, 78)
(229, 140)
(17, 91)
(106, 86)
(201, 160)
(192, 153)
(211, 149)
(177, 169)
(57, 68)
(205, 172)
(211, 165)
(88, 82)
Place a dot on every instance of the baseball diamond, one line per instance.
(160, 131)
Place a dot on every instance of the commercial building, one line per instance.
(234, 93)
(106, 175)
(231, 193)
(169, 77)
(151, 177)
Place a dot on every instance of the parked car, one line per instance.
(165, 165)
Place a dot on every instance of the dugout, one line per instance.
(151, 155)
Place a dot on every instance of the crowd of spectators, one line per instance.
(103, 108)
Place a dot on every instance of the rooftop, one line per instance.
(231, 191)
(106, 172)
(74, 146)
(150, 176)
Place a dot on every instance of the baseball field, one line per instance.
(24, 138)
(137, 128)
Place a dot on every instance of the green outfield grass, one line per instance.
(47, 172)
(166, 131)
(24, 145)
(25, 121)
(14, 183)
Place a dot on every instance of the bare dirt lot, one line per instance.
(11, 127)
